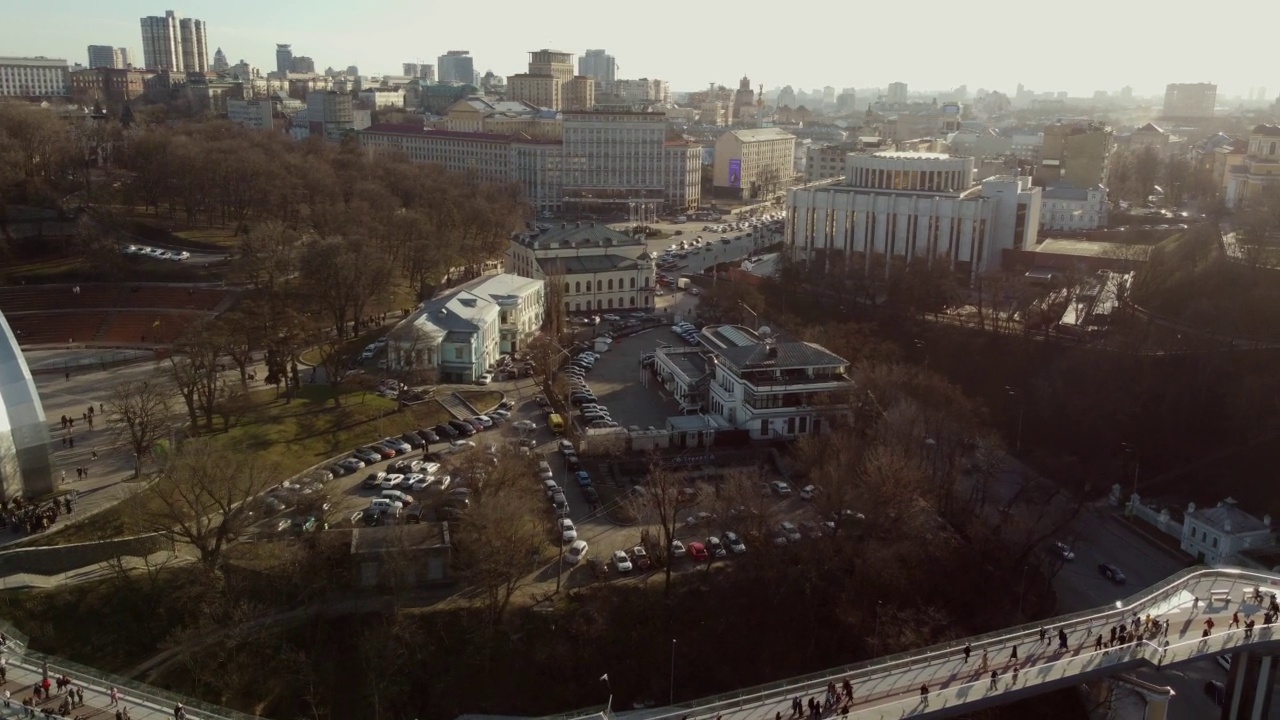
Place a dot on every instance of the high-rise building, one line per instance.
(34, 77)
(456, 66)
(410, 69)
(195, 45)
(302, 64)
(162, 42)
(744, 96)
(828, 96)
(1078, 154)
(787, 97)
(220, 63)
(174, 43)
(105, 56)
(550, 83)
(1189, 100)
(427, 71)
(847, 101)
(599, 66)
(896, 94)
(284, 58)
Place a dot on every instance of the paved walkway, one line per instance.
(892, 687)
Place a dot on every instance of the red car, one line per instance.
(698, 551)
(386, 452)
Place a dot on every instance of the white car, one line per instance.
(576, 552)
(610, 317)
(565, 446)
(544, 470)
(484, 379)
(621, 562)
(677, 549)
(351, 464)
(789, 531)
(808, 492)
(392, 481)
(180, 256)
(417, 481)
(501, 414)
(130, 250)
(369, 352)
(483, 420)
(568, 533)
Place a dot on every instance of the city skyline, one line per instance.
(723, 51)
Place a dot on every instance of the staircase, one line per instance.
(457, 407)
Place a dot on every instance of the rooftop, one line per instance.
(501, 286)
(580, 235)
(1229, 518)
(744, 349)
(580, 264)
(907, 155)
(1067, 191)
(1268, 130)
(1087, 248)
(395, 538)
(420, 131)
(762, 134)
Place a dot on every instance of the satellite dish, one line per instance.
(764, 331)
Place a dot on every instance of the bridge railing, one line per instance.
(858, 672)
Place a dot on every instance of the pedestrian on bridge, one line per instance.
(924, 695)
(1014, 681)
(848, 689)
(1235, 620)
(1097, 645)
(1013, 656)
(982, 665)
(1113, 636)
(995, 679)
(1208, 627)
(1062, 639)
(796, 708)
(967, 652)
(1044, 634)
(1248, 630)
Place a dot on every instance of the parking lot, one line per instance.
(620, 383)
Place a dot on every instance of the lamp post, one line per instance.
(1131, 449)
(671, 696)
(1022, 406)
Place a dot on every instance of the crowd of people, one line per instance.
(24, 517)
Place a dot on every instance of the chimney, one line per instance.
(579, 223)
(772, 352)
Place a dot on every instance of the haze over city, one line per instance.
(1086, 46)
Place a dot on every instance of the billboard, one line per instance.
(735, 173)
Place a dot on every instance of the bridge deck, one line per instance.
(891, 687)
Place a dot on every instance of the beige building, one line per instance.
(1189, 100)
(1260, 168)
(550, 83)
(1076, 153)
(753, 164)
(1152, 136)
(604, 161)
(501, 117)
(601, 268)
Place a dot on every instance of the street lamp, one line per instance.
(1131, 449)
(671, 696)
(1022, 406)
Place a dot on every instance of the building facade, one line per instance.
(1075, 153)
(826, 162)
(26, 469)
(113, 85)
(1214, 535)
(598, 65)
(604, 162)
(331, 114)
(550, 83)
(772, 388)
(1259, 170)
(601, 269)
(175, 43)
(753, 164)
(456, 66)
(904, 206)
(1189, 100)
(252, 114)
(34, 77)
(105, 56)
(1072, 209)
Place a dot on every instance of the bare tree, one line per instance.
(496, 541)
(661, 501)
(140, 413)
(202, 497)
(336, 359)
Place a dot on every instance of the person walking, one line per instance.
(1235, 620)
(114, 694)
(967, 651)
(995, 680)
(924, 695)
(1014, 681)
(1013, 655)
(1062, 639)
(1097, 645)
(982, 664)
(1044, 634)
(1208, 626)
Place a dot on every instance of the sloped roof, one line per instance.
(1227, 514)
(1266, 129)
(1150, 128)
(761, 134)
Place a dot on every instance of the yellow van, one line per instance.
(556, 423)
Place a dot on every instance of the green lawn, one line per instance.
(294, 435)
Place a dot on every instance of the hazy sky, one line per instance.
(1079, 46)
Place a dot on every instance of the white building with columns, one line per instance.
(601, 268)
(910, 205)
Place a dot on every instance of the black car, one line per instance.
(541, 401)
(337, 470)
(428, 435)
(1112, 573)
(582, 398)
(572, 462)
(590, 495)
(413, 440)
(464, 429)
(445, 430)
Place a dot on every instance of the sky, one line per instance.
(1080, 46)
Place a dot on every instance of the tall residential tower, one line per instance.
(173, 43)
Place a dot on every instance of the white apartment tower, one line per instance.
(173, 43)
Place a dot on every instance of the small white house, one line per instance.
(1213, 535)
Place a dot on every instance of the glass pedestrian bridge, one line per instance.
(891, 687)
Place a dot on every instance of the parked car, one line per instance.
(384, 452)
(716, 547)
(576, 552)
(484, 379)
(484, 421)
(789, 531)
(780, 488)
(400, 446)
(373, 480)
(445, 431)
(1064, 551)
(583, 478)
(809, 492)
(413, 440)
(367, 455)
(391, 481)
(351, 464)
(677, 549)
(568, 533)
(428, 435)
(621, 562)
(698, 551)
(338, 469)
(640, 558)
(463, 429)
(734, 543)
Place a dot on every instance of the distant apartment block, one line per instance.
(173, 43)
(111, 85)
(105, 56)
(1075, 153)
(1068, 208)
(896, 94)
(599, 66)
(753, 164)
(550, 83)
(252, 114)
(604, 161)
(456, 66)
(1189, 100)
(331, 115)
(34, 77)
